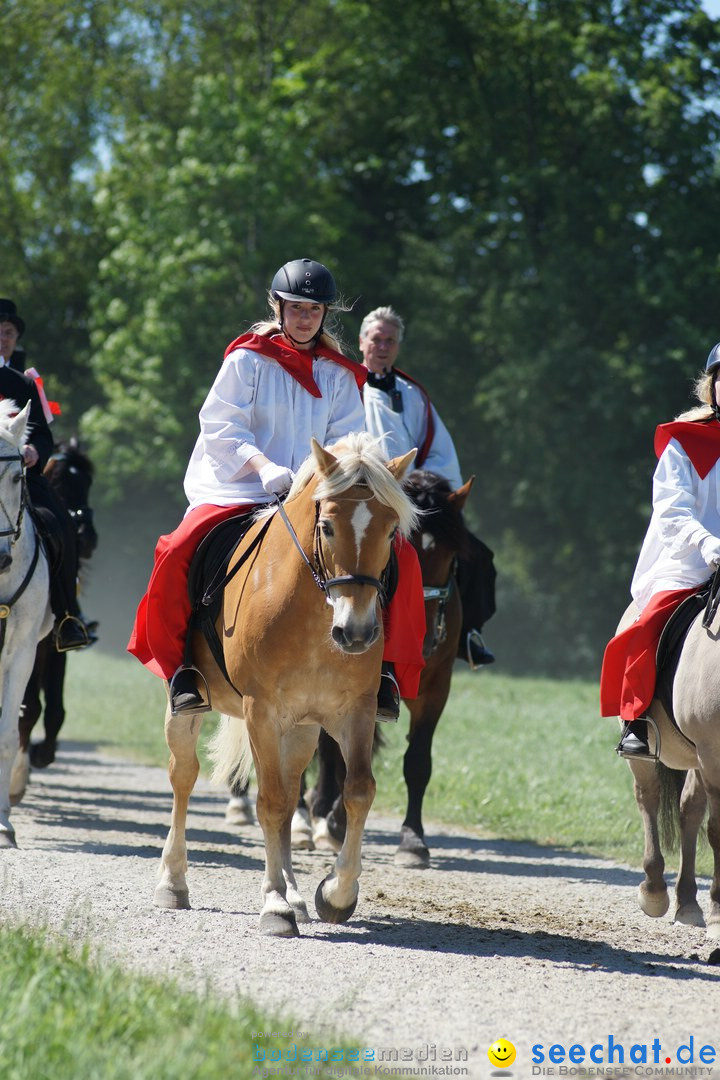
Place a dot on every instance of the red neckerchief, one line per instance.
(297, 362)
(699, 439)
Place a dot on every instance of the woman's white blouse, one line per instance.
(256, 407)
(682, 543)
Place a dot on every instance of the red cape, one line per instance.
(699, 439)
(297, 362)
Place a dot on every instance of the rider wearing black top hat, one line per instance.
(70, 630)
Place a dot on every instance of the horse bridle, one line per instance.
(319, 570)
(6, 608)
(15, 530)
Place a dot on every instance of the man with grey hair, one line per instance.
(398, 412)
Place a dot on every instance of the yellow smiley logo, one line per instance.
(501, 1053)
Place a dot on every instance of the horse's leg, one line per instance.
(31, 708)
(298, 747)
(239, 809)
(42, 754)
(278, 769)
(14, 764)
(327, 792)
(181, 734)
(693, 802)
(336, 896)
(711, 781)
(652, 893)
(425, 711)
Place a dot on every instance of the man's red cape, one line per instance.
(699, 439)
(297, 362)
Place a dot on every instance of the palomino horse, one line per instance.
(25, 615)
(301, 628)
(693, 748)
(439, 538)
(70, 473)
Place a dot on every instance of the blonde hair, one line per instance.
(703, 389)
(266, 328)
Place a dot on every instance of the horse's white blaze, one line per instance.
(427, 541)
(347, 610)
(360, 520)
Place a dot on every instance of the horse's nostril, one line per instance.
(5, 561)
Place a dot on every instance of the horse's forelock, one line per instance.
(361, 463)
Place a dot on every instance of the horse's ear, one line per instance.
(325, 460)
(399, 466)
(458, 498)
(19, 423)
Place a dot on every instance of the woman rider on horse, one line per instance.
(281, 383)
(680, 552)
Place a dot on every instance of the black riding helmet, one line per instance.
(712, 367)
(307, 281)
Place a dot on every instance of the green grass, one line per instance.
(72, 1017)
(523, 759)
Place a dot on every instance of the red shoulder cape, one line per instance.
(297, 362)
(699, 439)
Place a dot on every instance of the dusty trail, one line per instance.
(497, 939)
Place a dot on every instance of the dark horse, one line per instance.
(70, 473)
(439, 539)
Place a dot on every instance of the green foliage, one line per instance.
(532, 183)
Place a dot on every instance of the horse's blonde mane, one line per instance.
(8, 412)
(359, 462)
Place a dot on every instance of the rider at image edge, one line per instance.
(680, 552)
(399, 412)
(70, 631)
(280, 384)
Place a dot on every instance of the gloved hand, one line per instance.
(710, 551)
(275, 478)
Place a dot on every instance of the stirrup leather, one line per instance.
(204, 706)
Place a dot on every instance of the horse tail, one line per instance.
(229, 750)
(671, 785)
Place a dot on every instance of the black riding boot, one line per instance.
(634, 740)
(388, 699)
(478, 653)
(184, 694)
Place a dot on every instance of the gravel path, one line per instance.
(497, 940)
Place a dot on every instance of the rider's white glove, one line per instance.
(710, 551)
(275, 478)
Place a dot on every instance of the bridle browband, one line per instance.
(319, 570)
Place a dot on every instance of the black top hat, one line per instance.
(8, 313)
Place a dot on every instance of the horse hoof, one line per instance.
(302, 915)
(322, 838)
(7, 839)
(170, 900)
(239, 811)
(689, 915)
(713, 931)
(17, 796)
(42, 754)
(412, 853)
(301, 834)
(653, 904)
(278, 924)
(331, 914)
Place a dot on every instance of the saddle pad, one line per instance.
(671, 644)
(210, 561)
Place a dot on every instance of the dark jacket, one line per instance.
(21, 389)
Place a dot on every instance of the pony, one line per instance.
(25, 615)
(439, 538)
(685, 779)
(70, 473)
(302, 634)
